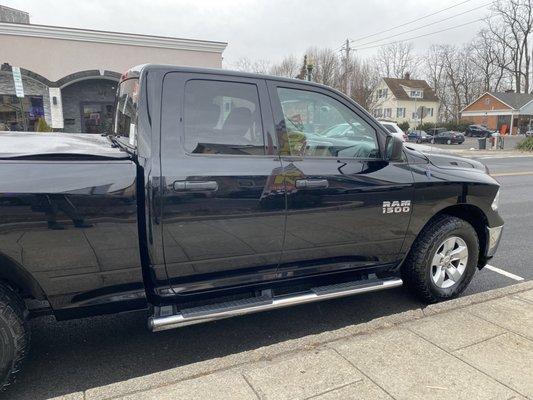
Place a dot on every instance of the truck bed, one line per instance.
(70, 226)
(33, 145)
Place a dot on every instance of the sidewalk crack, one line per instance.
(467, 363)
(251, 387)
(527, 301)
(332, 390)
(509, 330)
(474, 344)
(362, 373)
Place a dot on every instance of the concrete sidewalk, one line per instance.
(475, 347)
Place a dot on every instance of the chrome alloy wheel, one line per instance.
(449, 262)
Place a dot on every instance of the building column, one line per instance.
(511, 127)
(56, 108)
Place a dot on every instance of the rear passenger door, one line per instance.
(347, 206)
(222, 215)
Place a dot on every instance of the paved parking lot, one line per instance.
(73, 356)
(510, 142)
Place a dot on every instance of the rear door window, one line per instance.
(126, 109)
(222, 118)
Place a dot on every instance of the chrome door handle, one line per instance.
(312, 184)
(183, 186)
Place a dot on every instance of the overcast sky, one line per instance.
(267, 29)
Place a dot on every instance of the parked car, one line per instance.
(478, 131)
(435, 131)
(448, 137)
(419, 137)
(394, 129)
(214, 197)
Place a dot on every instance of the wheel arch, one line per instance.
(16, 275)
(475, 217)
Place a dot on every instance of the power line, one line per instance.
(420, 36)
(425, 26)
(410, 22)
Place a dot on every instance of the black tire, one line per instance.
(416, 270)
(14, 334)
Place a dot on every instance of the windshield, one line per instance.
(126, 110)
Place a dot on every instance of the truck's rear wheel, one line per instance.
(14, 334)
(443, 259)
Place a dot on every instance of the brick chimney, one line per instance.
(407, 76)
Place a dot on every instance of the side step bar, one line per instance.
(168, 317)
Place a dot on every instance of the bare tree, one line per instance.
(257, 67)
(326, 66)
(455, 77)
(395, 59)
(491, 58)
(511, 26)
(289, 67)
(435, 74)
(364, 78)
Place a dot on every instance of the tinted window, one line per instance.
(222, 118)
(320, 126)
(126, 108)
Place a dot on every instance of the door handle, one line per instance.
(183, 186)
(312, 184)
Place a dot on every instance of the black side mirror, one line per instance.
(394, 148)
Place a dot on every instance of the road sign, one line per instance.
(17, 78)
(422, 112)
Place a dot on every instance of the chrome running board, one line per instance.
(168, 317)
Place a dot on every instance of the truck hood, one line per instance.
(446, 159)
(40, 145)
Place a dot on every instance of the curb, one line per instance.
(236, 361)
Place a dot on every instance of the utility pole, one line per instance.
(309, 67)
(347, 49)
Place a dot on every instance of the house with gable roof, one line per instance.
(411, 100)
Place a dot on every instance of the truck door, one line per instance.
(222, 214)
(347, 206)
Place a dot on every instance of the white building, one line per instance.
(68, 76)
(400, 100)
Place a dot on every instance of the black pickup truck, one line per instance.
(221, 193)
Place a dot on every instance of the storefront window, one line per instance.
(96, 117)
(20, 114)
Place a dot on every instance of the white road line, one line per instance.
(521, 173)
(505, 273)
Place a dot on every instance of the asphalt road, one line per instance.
(77, 355)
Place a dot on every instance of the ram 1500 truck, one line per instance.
(219, 194)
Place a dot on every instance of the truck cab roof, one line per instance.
(138, 70)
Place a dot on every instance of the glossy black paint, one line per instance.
(342, 224)
(229, 232)
(131, 233)
(72, 226)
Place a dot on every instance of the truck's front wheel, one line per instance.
(443, 259)
(14, 334)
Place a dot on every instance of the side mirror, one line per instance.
(394, 149)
